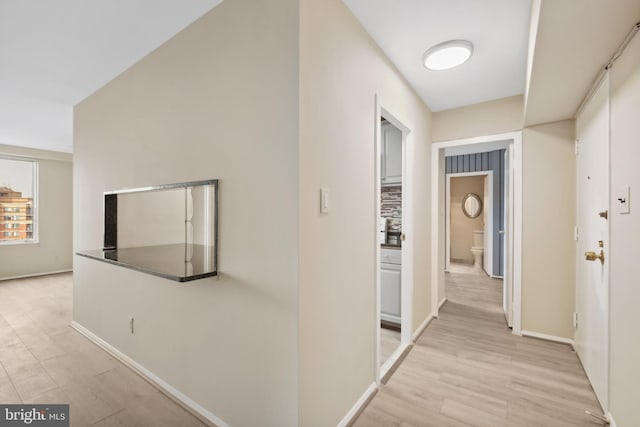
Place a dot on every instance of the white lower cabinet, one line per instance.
(390, 286)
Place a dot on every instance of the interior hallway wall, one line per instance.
(199, 107)
(341, 71)
(53, 252)
(486, 118)
(548, 219)
(625, 230)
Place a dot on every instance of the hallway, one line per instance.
(467, 369)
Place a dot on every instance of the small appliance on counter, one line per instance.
(393, 238)
(382, 227)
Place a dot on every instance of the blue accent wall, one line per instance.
(479, 162)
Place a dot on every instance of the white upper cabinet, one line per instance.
(391, 155)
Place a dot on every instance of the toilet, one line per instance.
(477, 250)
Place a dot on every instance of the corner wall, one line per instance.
(53, 252)
(548, 220)
(219, 100)
(342, 70)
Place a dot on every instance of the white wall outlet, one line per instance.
(131, 324)
(324, 200)
(623, 200)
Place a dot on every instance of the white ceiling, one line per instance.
(574, 41)
(64, 50)
(53, 54)
(499, 30)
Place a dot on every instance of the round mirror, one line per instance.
(471, 205)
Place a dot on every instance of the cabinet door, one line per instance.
(391, 155)
(390, 292)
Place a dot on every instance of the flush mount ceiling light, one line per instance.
(447, 55)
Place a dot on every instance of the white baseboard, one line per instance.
(612, 422)
(46, 273)
(421, 328)
(442, 303)
(192, 407)
(553, 338)
(359, 405)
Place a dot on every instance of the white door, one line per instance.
(592, 276)
(488, 226)
(507, 238)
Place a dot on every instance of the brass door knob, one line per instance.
(592, 256)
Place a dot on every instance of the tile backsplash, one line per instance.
(391, 206)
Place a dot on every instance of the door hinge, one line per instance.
(575, 233)
(575, 320)
(576, 148)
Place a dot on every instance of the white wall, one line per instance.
(341, 71)
(486, 118)
(548, 218)
(219, 100)
(53, 251)
(151, 218)
(19, 113)
(625, 231)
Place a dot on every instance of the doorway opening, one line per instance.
(393, 243)
(469, 212)
(476, 226)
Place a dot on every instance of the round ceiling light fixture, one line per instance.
(449, 54)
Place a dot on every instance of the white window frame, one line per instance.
(35, 206)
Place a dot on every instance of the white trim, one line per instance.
(391, 361)
(377, 252)
(516, 168)
(546, 337)
(612, 422)
(489, 140)
(201, 413)
(421, 328)
(406, 275)
(442, 303)
(25, 276)
(437, 190)
(358, 406)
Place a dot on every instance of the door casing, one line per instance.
(513, 142)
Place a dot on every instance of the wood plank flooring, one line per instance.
(43, 360)
(389, 343)
(467, 369)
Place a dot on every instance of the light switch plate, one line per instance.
(623, 200)
(324, 200)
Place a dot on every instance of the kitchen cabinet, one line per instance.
(391, 165)
(390, 285)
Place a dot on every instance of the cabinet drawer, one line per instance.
(390, 256)
(390, 292)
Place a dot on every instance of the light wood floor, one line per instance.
(467, 369)
(389, 343)
(43, 360)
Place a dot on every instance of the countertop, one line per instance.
(386, 246)
(179, 262)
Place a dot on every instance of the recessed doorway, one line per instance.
(502, 239)
(393, 249)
